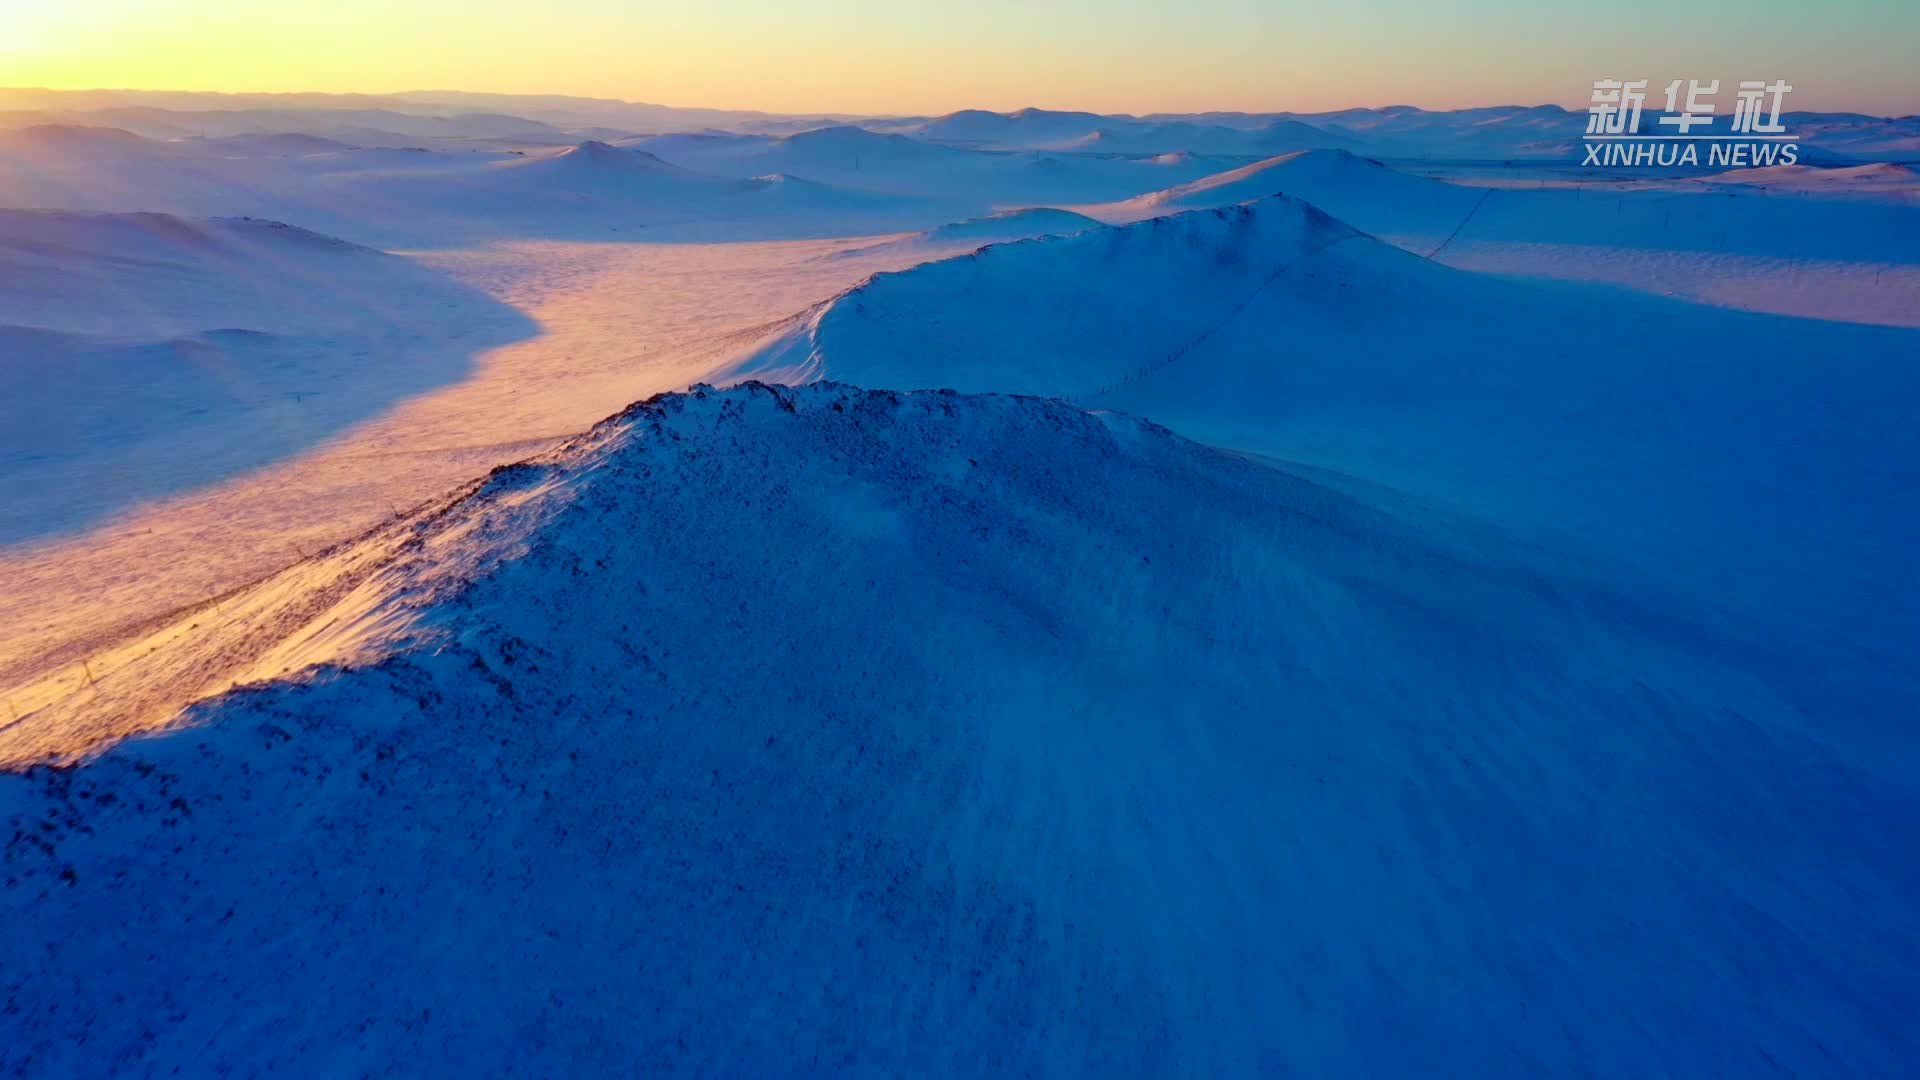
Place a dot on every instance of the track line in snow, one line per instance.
(1233, 313)
(1475, 209)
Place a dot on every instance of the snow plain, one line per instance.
(1351, 619)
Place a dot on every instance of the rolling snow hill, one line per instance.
(1882, 179)
(1014, 225)
(1555, 410)
(977, 232)
(944, 733)
(147, 353)
(1420, 212)
(1136, 137)
(1354, 183)
(1727, 244)
(969, 181)
(405, 198)
(838, 154)
(599, 191)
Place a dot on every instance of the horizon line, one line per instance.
(800, 114)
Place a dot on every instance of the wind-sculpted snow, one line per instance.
(775, 731)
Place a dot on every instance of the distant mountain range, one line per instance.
(509, 120)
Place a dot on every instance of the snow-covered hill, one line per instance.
(970, 180)
(146, 353)
(1314, 643)
(1730, 244)
(1136, 137)
(1538, 132)
(1367, 187)
(838, 154)
(450, 120)
(937, 733)
(602, 191)
(1686, 215)
(1556, 410)
(976, 232)
(1014, 225)
(1051, 316)
(1023, 128)
(1880, 180)
(418, 198)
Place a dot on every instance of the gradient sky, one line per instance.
(910, 56)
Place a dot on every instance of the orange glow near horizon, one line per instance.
(857, 57)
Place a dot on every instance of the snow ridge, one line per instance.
(1046, 735)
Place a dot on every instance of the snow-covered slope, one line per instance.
(62, 167)
(976, 232)
(595, 165)
(1051, 316)
(1857, 136)
(847, 155)
(930, 733)
(361, 126)
(595, 189)
(1885, 179)
(1014, 225)
(840, 181)
(1312, 175)
(1137, 137)
(145, 353)
(1420, 212)
(1464, 133)
(1555, 410)
(419, 198)
(142, 275)
(1725, 244)
(1023, 128)
(1373, 197)
(968, 180)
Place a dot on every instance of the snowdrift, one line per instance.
(934, 733)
